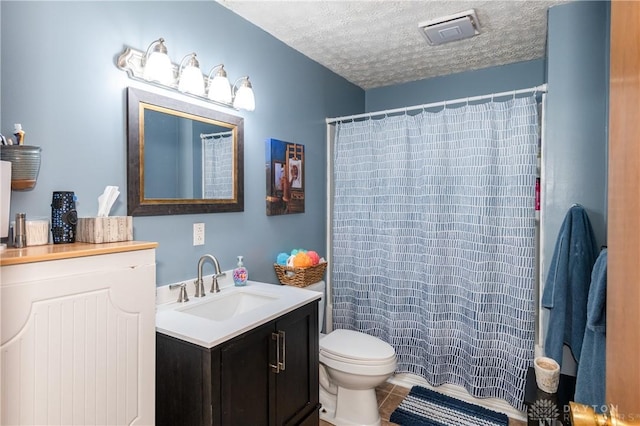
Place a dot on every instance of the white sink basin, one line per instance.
(216, 318)
(226, 306)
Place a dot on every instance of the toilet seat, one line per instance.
(356, 352)
(346, 360)
(356, 346)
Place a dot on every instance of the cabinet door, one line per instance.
(183, 382)
(77, 340)
(246, 381)
(297, 385)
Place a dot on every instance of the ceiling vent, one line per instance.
(450, 28)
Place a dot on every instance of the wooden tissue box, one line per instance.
(104, 229)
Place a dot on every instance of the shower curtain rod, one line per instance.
(538, 89)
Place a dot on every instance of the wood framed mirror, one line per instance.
(183, 158)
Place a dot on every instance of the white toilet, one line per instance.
(352, 364)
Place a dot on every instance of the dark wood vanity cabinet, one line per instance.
(266, 376)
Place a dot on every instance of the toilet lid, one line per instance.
(355, 345)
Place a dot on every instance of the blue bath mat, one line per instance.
(424, 407)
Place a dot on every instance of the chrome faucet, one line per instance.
(214, 284)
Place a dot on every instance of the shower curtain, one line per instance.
(217, 162)
(433, 236)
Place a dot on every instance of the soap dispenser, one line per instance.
(240, 274)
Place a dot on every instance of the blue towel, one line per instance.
(567, 286)
(590, 380)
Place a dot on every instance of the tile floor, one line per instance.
(390, 396)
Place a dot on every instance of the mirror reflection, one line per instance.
(186, 158)
(183, 158)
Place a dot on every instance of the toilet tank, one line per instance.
(319, 287)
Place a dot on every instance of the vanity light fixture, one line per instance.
(156, 63)
(244, 98)
(186, 77)
(219, 87)
(189, 76)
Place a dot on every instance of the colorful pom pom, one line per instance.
(302, 260)
(282, 258)
(315, 258)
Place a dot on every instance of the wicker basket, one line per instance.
(300, 277)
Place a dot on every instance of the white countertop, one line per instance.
(208, 333)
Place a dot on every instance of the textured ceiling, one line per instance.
(375, 43)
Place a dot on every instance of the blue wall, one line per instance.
(521, 75)
(575, 152)
(577, 115)
(59, 79)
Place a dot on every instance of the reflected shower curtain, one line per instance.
(217, 165)
(434, 241)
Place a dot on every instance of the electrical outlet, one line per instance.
(198, 234)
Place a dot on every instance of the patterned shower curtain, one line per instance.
(434, 241)
(217, 173)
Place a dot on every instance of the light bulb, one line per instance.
(191, 79)
(157, 65)
(245, 98)
(219, 86)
